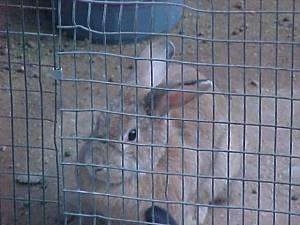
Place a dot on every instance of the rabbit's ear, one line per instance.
(151, 74)
(164, 98)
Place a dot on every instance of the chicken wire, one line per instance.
(55, 87)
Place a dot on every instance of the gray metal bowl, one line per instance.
(111, 22)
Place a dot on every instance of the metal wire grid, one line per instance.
(74, 81)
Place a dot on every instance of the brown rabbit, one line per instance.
(160, 146)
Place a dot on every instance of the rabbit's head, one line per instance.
(132, 137)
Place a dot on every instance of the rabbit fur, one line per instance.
(175, 133)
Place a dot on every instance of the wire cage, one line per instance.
(193, 122)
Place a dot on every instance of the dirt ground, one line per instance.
(263, 64)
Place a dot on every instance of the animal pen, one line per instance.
(150, 112)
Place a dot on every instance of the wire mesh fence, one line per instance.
(149, 112)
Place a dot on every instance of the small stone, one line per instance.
(242, 28)
(253, 191)
(294, 198)
(285, 22)
(254, 83)
(238, 6)
(67, 154)
(130, 67)
(21, 69)
(3, 148)
(234, 32)
(110, 79)
(199, 34)
(31, 179)
(204, 41)
(286, 19)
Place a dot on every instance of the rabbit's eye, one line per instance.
(132, 135)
